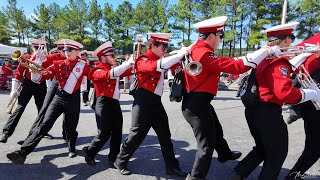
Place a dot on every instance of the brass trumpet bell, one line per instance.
(194, 68)
(16, 55)
(31, 65)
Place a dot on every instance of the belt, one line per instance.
(62, 93)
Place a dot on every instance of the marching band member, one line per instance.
(38, 90)
(69, 74)
(202, 88)
(147, 109)
(308, 112)
(51, 91)
(7, 68)
(265, 121)
(105, 77)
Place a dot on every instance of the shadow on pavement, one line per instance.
(147, 160)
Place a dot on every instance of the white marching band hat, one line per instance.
(211, 25)
(103, 49)
(72, 44)
(281, 30)
(83, 52)
(38, 42)
(162, 38)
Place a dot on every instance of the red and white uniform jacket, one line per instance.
(68, 73)
(7, 70)
(212, 66)
(274, 82)
(146, 71)
(103, 84)
(22, 72)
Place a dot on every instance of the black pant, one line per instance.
(29, 89)
(311, 152)
(270, 133)
(61, 103)
(200, 114)
(109, 122)
(221, 146)
(51, 91)
(147, 112)
(85, 94)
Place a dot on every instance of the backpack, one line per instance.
(248, 90)
(177, 89)
(133, 87)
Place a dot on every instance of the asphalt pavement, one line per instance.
(50, 159)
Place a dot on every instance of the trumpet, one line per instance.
(18, 56)
(291, 51)
(193, 68)
(13, 101)
(307, 82)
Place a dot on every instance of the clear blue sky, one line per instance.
(29, 5)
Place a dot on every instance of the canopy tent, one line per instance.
(312, 40)
(4, 49)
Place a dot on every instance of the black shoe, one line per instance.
(16, 157)
(122, 170)
(189, 177)
(294, 176)
(111, 163)
(20, 142)
(4, 138)
(48, 136)
(89, 160)
(235, 176)
(234, 155)
(292, 119)
(72, 154)
(176, 171)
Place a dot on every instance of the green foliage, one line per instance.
(307, 13)
(91, 24)
(5, 33)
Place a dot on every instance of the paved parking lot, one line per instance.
(50, 159)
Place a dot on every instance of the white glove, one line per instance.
(164, 64)
(298, 60)
(14, 93)
(184, 51)
(309, 94)
(14, 88)
(317, 98)
(130, 61)
(273, 51)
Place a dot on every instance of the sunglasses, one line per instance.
(164, 46)
(221, 34)
(69, 49)
(112, 55)
(36, 47)
(293, 37)
(60, 48)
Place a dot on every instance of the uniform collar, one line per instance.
(151, 55)
(103, 65)
(201, 43)
(72, 62)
